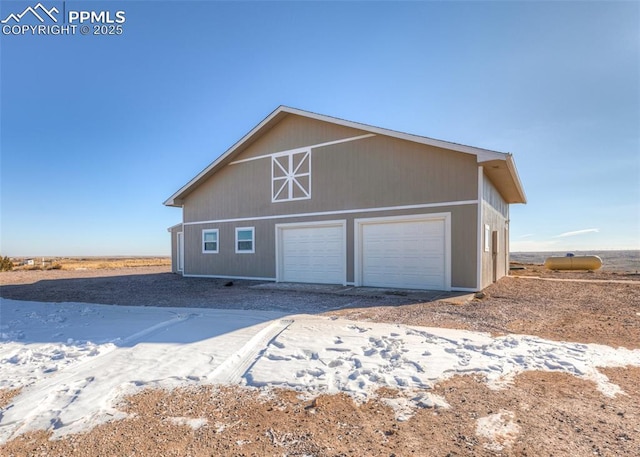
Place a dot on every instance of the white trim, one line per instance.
(511, 166)
(180, 252)
(304, 148)
(253, 240)
(358, 248)
(338, 212)
(336, 223)
(249, 278)
(288, 179)
(482, 154)
(479, 228)
(507, 244)
(217, 232)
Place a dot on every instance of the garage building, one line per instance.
(310, 198)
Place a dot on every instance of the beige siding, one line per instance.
(464, 220)
(294, 132)
(491, 195)
(368, 173)
(350, 180)
(382, 172)
(495, 212)
(262, 265)
(226, 262)
(173, 231)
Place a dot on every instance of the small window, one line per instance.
(487, 238)
(245, 240)
(210, 241)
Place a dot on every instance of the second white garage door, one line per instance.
(312, 253)
(410, 254)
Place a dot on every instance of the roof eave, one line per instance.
(482, 154)
(503, 174)
(173, 202)
(511, 164)
(176, 198)
(175, 226)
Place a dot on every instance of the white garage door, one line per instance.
(313, 254)
(404, 254)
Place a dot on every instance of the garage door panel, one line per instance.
(312, 254)
(404, 254)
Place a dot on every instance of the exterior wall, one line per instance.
(295, 132)
(261, 264)
(495, 214)
(493, 198)
(368, 173)
(173, 231)
(364, 178)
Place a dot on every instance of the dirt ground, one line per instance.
(586, 312)
(156, 286)
(539, 414)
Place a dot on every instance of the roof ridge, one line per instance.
(294, 110)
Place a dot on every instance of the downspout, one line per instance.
(507, 243)
(480, 228)
(184, 256)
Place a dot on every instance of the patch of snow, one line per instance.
(74, 361)
(499, 429)
(194, 423)
(405, 407)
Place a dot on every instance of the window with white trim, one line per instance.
(245, 240)
(291, 176)
(210, 241)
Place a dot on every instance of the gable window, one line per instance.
(210, 241)
(291, 176)
(245, 240)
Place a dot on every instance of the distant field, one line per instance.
(89, 263)
(613, 261)
(619, 261)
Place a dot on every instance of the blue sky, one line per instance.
(96, 132)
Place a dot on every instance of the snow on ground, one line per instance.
(500, 429)
(75, 361)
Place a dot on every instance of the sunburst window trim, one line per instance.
(285, 177)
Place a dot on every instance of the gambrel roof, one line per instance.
(498, 166)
